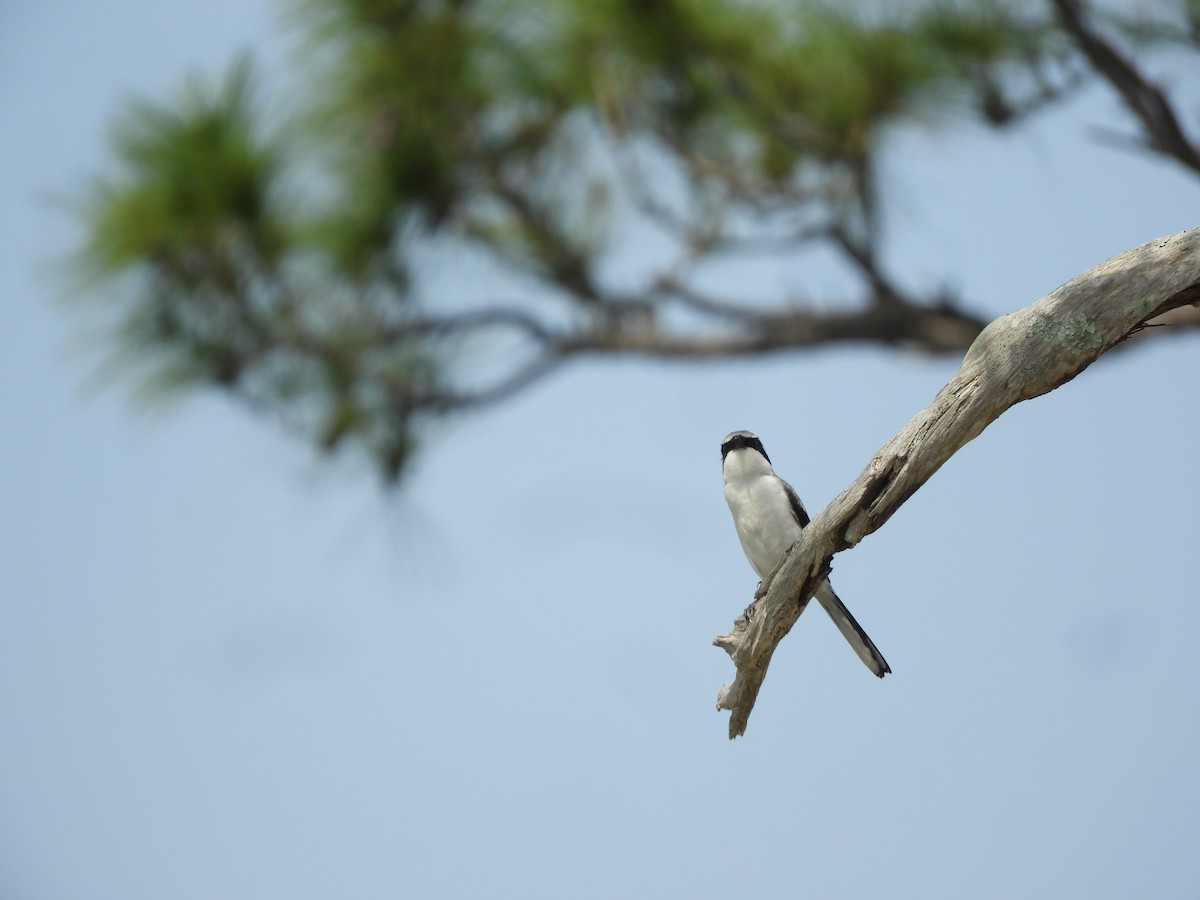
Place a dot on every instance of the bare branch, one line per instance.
(524, 377)
(492, 317)
(1177, 321)
(933, 329)
(566, 266)
(1019, 356)
(675, 289)
(1144, 99)
(862, 254)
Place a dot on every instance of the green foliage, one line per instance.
(227, 292)
(282, 269)
(192, 180)
(190, 209)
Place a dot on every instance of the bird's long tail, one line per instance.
(851, 630)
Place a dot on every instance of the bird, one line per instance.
(769, 519)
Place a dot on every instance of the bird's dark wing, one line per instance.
(798, 509)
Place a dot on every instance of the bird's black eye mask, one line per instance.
(742, 440)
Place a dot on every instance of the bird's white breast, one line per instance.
(762, 515)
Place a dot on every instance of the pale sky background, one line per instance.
(229, 669)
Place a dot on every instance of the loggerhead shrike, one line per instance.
(769, 518)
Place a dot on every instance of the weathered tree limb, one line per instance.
(1018, 356)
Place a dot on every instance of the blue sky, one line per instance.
(231, 669)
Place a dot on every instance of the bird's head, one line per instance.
(742, 454)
